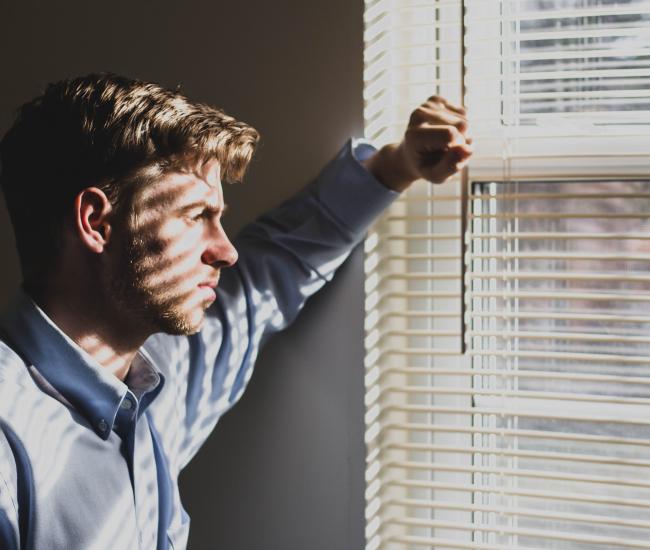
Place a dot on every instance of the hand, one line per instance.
(435, 146)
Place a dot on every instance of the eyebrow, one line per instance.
(205, 205)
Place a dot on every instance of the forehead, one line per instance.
(200, 182)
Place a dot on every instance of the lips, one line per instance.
(207, 288)
(207, 291)
(210, 283)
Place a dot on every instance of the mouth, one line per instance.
(210, 283)
(208, 288)
(207, 292)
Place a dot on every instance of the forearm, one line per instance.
(333, 212)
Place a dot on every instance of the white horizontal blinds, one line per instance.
(411, 52)
(559, 87)
(413, 336)
(558, 284)
(413, 260)
(561, 362)
(539, 436)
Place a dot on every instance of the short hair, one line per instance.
(103, 130)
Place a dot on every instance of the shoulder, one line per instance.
(25, 408)
(12, 384)
(13, 371)
(9, 532)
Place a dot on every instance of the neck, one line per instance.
(86, 321)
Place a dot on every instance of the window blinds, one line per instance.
(539, 436)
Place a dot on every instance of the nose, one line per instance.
(219, 251)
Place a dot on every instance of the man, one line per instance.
(130, 337)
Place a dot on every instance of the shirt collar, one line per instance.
(83, 383)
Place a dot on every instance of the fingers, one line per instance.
(429, 138)
(452, 161)
(427, 115)
(436, 144)
(433, 137)
(458, 109)
(439, 150)
(437, 110)
(459, 155)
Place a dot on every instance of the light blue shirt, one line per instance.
(89, 462)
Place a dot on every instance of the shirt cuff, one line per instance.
(349, 191)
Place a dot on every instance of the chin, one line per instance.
(182, 323)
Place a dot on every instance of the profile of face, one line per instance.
(168, 262)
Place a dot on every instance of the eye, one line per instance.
(207, 214)
(200, 215)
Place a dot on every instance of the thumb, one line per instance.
(451, 161)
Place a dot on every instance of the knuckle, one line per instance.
(450, 133)
(419, 115)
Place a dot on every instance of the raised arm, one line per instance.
(288, 254)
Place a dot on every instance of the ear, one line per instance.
(92, 211)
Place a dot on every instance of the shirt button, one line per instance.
(102, 426)
(126, 404)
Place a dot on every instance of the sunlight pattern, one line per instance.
(90, 462)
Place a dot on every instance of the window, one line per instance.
(539, 435)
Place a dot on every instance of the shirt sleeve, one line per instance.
(289, 253)
(284, 257)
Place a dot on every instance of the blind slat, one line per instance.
(444, 542)
(528, 512)
(534, 533)
(562, 13)
(628, 277)
(525, 315)
(520, 433)
(519, 473)
(521, 492)
(518, 453)
(519, 412)
(511, 395)
(550, 375)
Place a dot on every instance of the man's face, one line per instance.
(174, 248)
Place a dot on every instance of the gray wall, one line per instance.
(284, 469)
